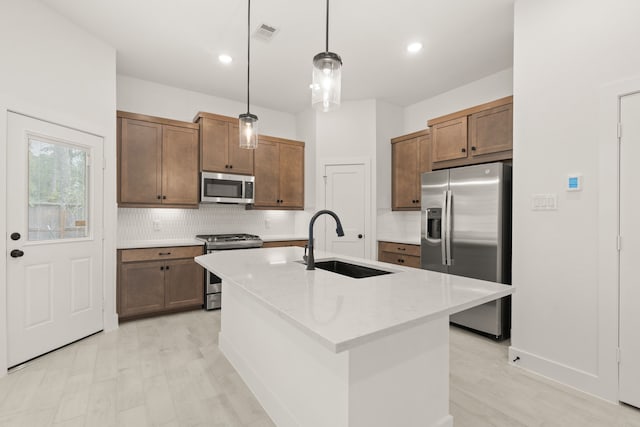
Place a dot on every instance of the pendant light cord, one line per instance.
(327, 36)
(248, 50)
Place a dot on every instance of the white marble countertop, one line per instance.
(283, 237)
(341, 312)
(160, 243)
(400, 239)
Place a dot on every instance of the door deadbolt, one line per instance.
(15, 236)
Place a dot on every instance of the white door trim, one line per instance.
(321, 202)
(607, 381)
(108, 133)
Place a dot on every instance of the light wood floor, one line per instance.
(168, 371)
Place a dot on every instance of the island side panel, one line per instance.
(296, 380)
(402, 379)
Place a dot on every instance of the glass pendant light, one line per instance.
(325, 86)
(248, 123)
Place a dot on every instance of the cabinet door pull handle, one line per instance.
(164, 253)
(400, 260)
(464, 150)
(161, 268)
(402, 249)
(230, 166)
(159, 197)
(166, 267)
(473, 148)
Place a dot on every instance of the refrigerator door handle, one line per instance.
(443, 228)
(448, 226)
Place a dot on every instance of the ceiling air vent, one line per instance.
(265, 32)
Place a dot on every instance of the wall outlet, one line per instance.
(156, 225)
(544, 202)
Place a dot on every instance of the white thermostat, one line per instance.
(574, 183)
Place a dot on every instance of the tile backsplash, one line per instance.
(403, 225)
(154, 224)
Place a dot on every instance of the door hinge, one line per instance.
(619, 243)
(619, 130)
(618, 357)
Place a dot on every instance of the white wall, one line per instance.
(565, 310)
(492, 87)
(306, 131)
(389, 121)
(347, 134)
(145, 97)
(53, 70)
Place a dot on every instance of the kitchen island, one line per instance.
(321, 349)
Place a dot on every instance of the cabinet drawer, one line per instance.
(285, 243)
(154, 254)
(399, 248)
(400, 259)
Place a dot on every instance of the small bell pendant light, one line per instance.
(325, 86)
(248, 123)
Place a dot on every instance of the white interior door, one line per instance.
(345, 194)
(629, 374)
(54, 224)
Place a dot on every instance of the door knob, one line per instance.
(16, 253)
(360, 236)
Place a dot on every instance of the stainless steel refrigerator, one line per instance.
(466, 231)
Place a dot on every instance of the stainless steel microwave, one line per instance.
(226, 188)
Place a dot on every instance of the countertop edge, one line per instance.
(406, 241)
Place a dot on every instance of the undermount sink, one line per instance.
(351, 270)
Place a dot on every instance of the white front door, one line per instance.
(345, 194)
(54, 241)
(629, 374)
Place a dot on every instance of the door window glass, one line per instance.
(58, 190)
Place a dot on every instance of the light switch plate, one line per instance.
(156, 225)
(544, 202)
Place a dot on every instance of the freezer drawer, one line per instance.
(213, 288)
(214, 301)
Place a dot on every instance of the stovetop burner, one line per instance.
(230, 241)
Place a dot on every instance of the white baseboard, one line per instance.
(580, 380)
(445, 422)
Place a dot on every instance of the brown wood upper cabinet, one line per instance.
(480, 134)
(157, 162)
(410, 157)
(279, 172)
(220, 146)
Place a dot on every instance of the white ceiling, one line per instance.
(177, 43)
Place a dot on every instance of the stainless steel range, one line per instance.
(223, 242)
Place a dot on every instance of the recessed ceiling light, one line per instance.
(414, 47)
(225, 59)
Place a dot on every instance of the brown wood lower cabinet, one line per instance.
(159, 280)
(285, 243)
(399, 253)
